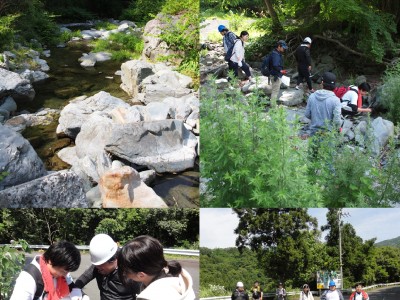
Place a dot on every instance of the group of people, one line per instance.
(331, 294)
(138, 270)
(256, 292)
(349, 104)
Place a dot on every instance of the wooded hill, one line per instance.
(392, 243)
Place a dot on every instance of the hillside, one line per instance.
(392, 242)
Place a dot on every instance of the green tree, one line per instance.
(355, 252)
(282, 239)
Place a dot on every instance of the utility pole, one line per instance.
(340, 215)
(340, 249)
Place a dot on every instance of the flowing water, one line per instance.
(68, 80)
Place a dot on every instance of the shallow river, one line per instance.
(68, 80)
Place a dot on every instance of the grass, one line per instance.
(122, 46)
(237, 22)
(180, 257)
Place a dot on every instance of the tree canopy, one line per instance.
(173, 227)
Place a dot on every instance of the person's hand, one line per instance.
(76, 294)
(240, 64)
(284, 72)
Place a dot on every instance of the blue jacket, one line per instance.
(277, 63)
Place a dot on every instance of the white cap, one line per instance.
(102, 248)
(307, 40)
(239, 284)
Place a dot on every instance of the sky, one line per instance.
(217, 224)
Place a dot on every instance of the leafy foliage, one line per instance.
(255, 159)
(142, 11)
(121, 45)
(7, 31)
(172, 227)
(251, 160)
(10, 266)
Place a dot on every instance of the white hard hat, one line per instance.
(102, 248)
(307, 40)
(239, 284)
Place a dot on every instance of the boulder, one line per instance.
(78, 111)
(18, 159)
(291, 97)
(165, 83)
(62, 189)
(123, 188)
(123, 115)
(383, 130)
(154, 47)
(12, 84)
(165, 146)
(133, 72)
(156, 111)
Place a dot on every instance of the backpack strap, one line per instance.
(37, 276)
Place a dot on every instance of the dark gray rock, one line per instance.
(62, 189)
(18, 159)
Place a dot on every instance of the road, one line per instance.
(388, 293)
(192, 266)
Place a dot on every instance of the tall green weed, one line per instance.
(251, 158)
(391, 93)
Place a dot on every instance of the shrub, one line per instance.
(391, 93)
(11, 263)
(121, 45)
(182, 36)
(141, 11)
(6, 31)
(249, 158)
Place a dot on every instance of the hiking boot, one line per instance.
(297, 87)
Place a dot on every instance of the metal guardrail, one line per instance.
(314, 292)
(184, 252)
(264, 295)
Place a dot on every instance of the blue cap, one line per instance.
(283, 44)
(332, 283)
(221, 27)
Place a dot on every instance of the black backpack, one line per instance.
(266, 65)
(37, 276)
(230, 52)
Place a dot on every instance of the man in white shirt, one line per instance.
(48, 275)
(332, 293)
(352, 99)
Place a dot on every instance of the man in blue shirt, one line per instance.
(277, 70)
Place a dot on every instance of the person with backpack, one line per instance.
(48, 277)
(359, 294)
(103, 255)
(303, 59)
(323, 107)
(228, 37)
(306, 293)
(239, 293)
(277, 70)
(352, 99)
(257, 293)
(236, 59)
(332, 293)
(280, 292)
